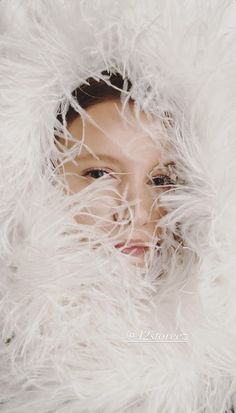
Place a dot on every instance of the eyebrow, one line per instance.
(110, 158)
(99, 155)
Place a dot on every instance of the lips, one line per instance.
(135, 248)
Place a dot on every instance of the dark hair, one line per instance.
(96, 91)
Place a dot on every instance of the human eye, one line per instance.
(162, 180)
(96, 173)
(166, 178)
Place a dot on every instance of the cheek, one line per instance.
(153, 197)
(98, 214)
(101, 205)
(75, 183)
(99, 210)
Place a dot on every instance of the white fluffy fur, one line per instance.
(66, 306)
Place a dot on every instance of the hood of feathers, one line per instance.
(83, 329)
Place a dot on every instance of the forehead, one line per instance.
(119, 135)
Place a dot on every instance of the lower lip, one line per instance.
(134, 251)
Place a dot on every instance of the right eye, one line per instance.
(162, 180)
(96, 173)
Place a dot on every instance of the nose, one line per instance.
(142, 209)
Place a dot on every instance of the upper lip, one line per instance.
(132, 243)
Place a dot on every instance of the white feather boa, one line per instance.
(71, 314)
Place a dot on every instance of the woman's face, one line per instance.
(132, 161)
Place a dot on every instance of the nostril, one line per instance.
(119, 218)
(115, 217)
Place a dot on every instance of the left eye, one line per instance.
(162, 180)
(96, 173)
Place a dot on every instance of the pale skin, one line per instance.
(131, 158)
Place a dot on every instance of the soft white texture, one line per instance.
(68, 310)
